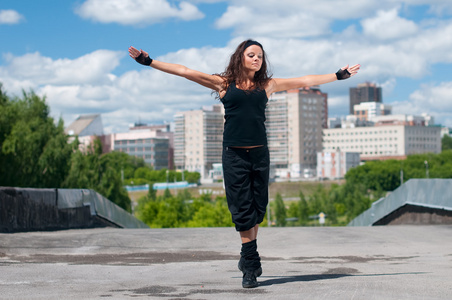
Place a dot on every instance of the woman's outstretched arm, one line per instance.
(280, 84)
(213, 82)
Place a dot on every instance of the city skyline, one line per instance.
(75, 52)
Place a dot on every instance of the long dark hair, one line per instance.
(235, 71)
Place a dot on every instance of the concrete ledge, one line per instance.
(27, 209)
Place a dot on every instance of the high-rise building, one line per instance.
(198, 139)
(295, 120)
(364, 92)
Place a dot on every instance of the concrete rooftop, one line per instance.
(384, 262)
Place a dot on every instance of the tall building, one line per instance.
(295, 119)
(364, 92)
(198, 139)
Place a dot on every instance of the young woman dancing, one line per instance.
(244, 89)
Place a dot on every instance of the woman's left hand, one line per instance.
(353, 69)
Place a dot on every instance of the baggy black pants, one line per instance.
(246, 174)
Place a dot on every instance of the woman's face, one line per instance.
(252, 58)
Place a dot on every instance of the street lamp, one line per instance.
(426, 168)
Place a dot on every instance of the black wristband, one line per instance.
(144, 60)
(342, 74)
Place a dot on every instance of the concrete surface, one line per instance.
(387, 262)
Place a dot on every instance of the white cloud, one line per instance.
(387, 25)
(136, 12)
(338, 106)
(433, 43)
(8, 16)
(249, 21)
(441, 8)
(435, 100)
(293, 18)
(91, 68)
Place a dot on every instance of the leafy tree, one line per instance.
(446, 142)
(97, 171)
(303, 209)
(293, 212)
(34, 150)
(280, 211)
(167, 194)
(192, 177)
(152, 194)
(213, 215)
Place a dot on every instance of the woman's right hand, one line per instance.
(140, 56)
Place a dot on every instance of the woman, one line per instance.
(244, 89)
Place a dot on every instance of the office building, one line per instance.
(364, 92)
(161, 130)
(384, 141)
(145, 144)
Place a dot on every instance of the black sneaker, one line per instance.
(249, 280)
(257, 272)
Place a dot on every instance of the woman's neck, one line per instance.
(247, 83)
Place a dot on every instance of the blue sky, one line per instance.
(75, 52)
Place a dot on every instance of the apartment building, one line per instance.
(383, 141)
(198, 138)
(295, 120)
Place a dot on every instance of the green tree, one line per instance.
(167, 194)
(34, 150)
(280, 211)
(303, 210)
(152, 194)
(97, 171)
(212, 215)
(446, 142)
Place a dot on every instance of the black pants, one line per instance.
(246, 174)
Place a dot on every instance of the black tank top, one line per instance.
(244, 117)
